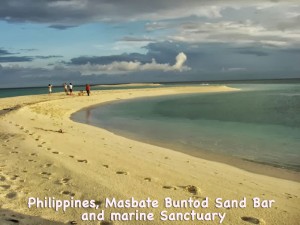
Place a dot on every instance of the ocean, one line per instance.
(260, 123)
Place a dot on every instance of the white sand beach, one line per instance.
(45, 154)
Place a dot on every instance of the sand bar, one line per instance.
(45, 154)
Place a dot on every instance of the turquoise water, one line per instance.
(261, 123)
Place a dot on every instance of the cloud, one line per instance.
(209, 61)
(5, 52)
(109, 59)
(63, 13)
(137, 39)
(48, 56)
(235, 32)
(180, 60)
(133, 66)
(13, 59)
(61, 27)
(28, 49)
(16, 59)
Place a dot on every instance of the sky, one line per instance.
(125, 41)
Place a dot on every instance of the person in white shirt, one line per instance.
(50, 88)
(71, 88)
(66, 88)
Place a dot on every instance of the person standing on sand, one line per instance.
(88, 89)
(66, 88)
(71, 88)
(50, 88)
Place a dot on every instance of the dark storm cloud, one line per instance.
(5, 52)
(211, 58)
(61, 27)
(14, 76)
(162, 52)
(109, 59)
(5, 56)
(48, 56)
(72, 12)
(16, 59)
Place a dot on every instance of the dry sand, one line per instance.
(45, 154)
(129, 85)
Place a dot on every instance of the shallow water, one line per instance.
(261, 123)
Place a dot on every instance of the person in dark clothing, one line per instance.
(88, 89)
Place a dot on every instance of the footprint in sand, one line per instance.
(147, 179)
(2, 178)
(11, 195)
(68, 193)
(31, 160)
(56, 153)
(82, 160)
(14, 152)
(252, 220)
(47, 165)
(34, 154)
(122, 172)
(40, 146)
(71, 156)
(192, 189)
(45, 173)
(106, 166)
(14, 177)
(288, 195)
(5, 186)
(169, 187)
(48, 149)
(65, 180)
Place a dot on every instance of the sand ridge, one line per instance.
(45, 154)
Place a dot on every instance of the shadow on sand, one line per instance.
(9, 217)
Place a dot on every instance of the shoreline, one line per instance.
(241, 163)
(61, 157)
